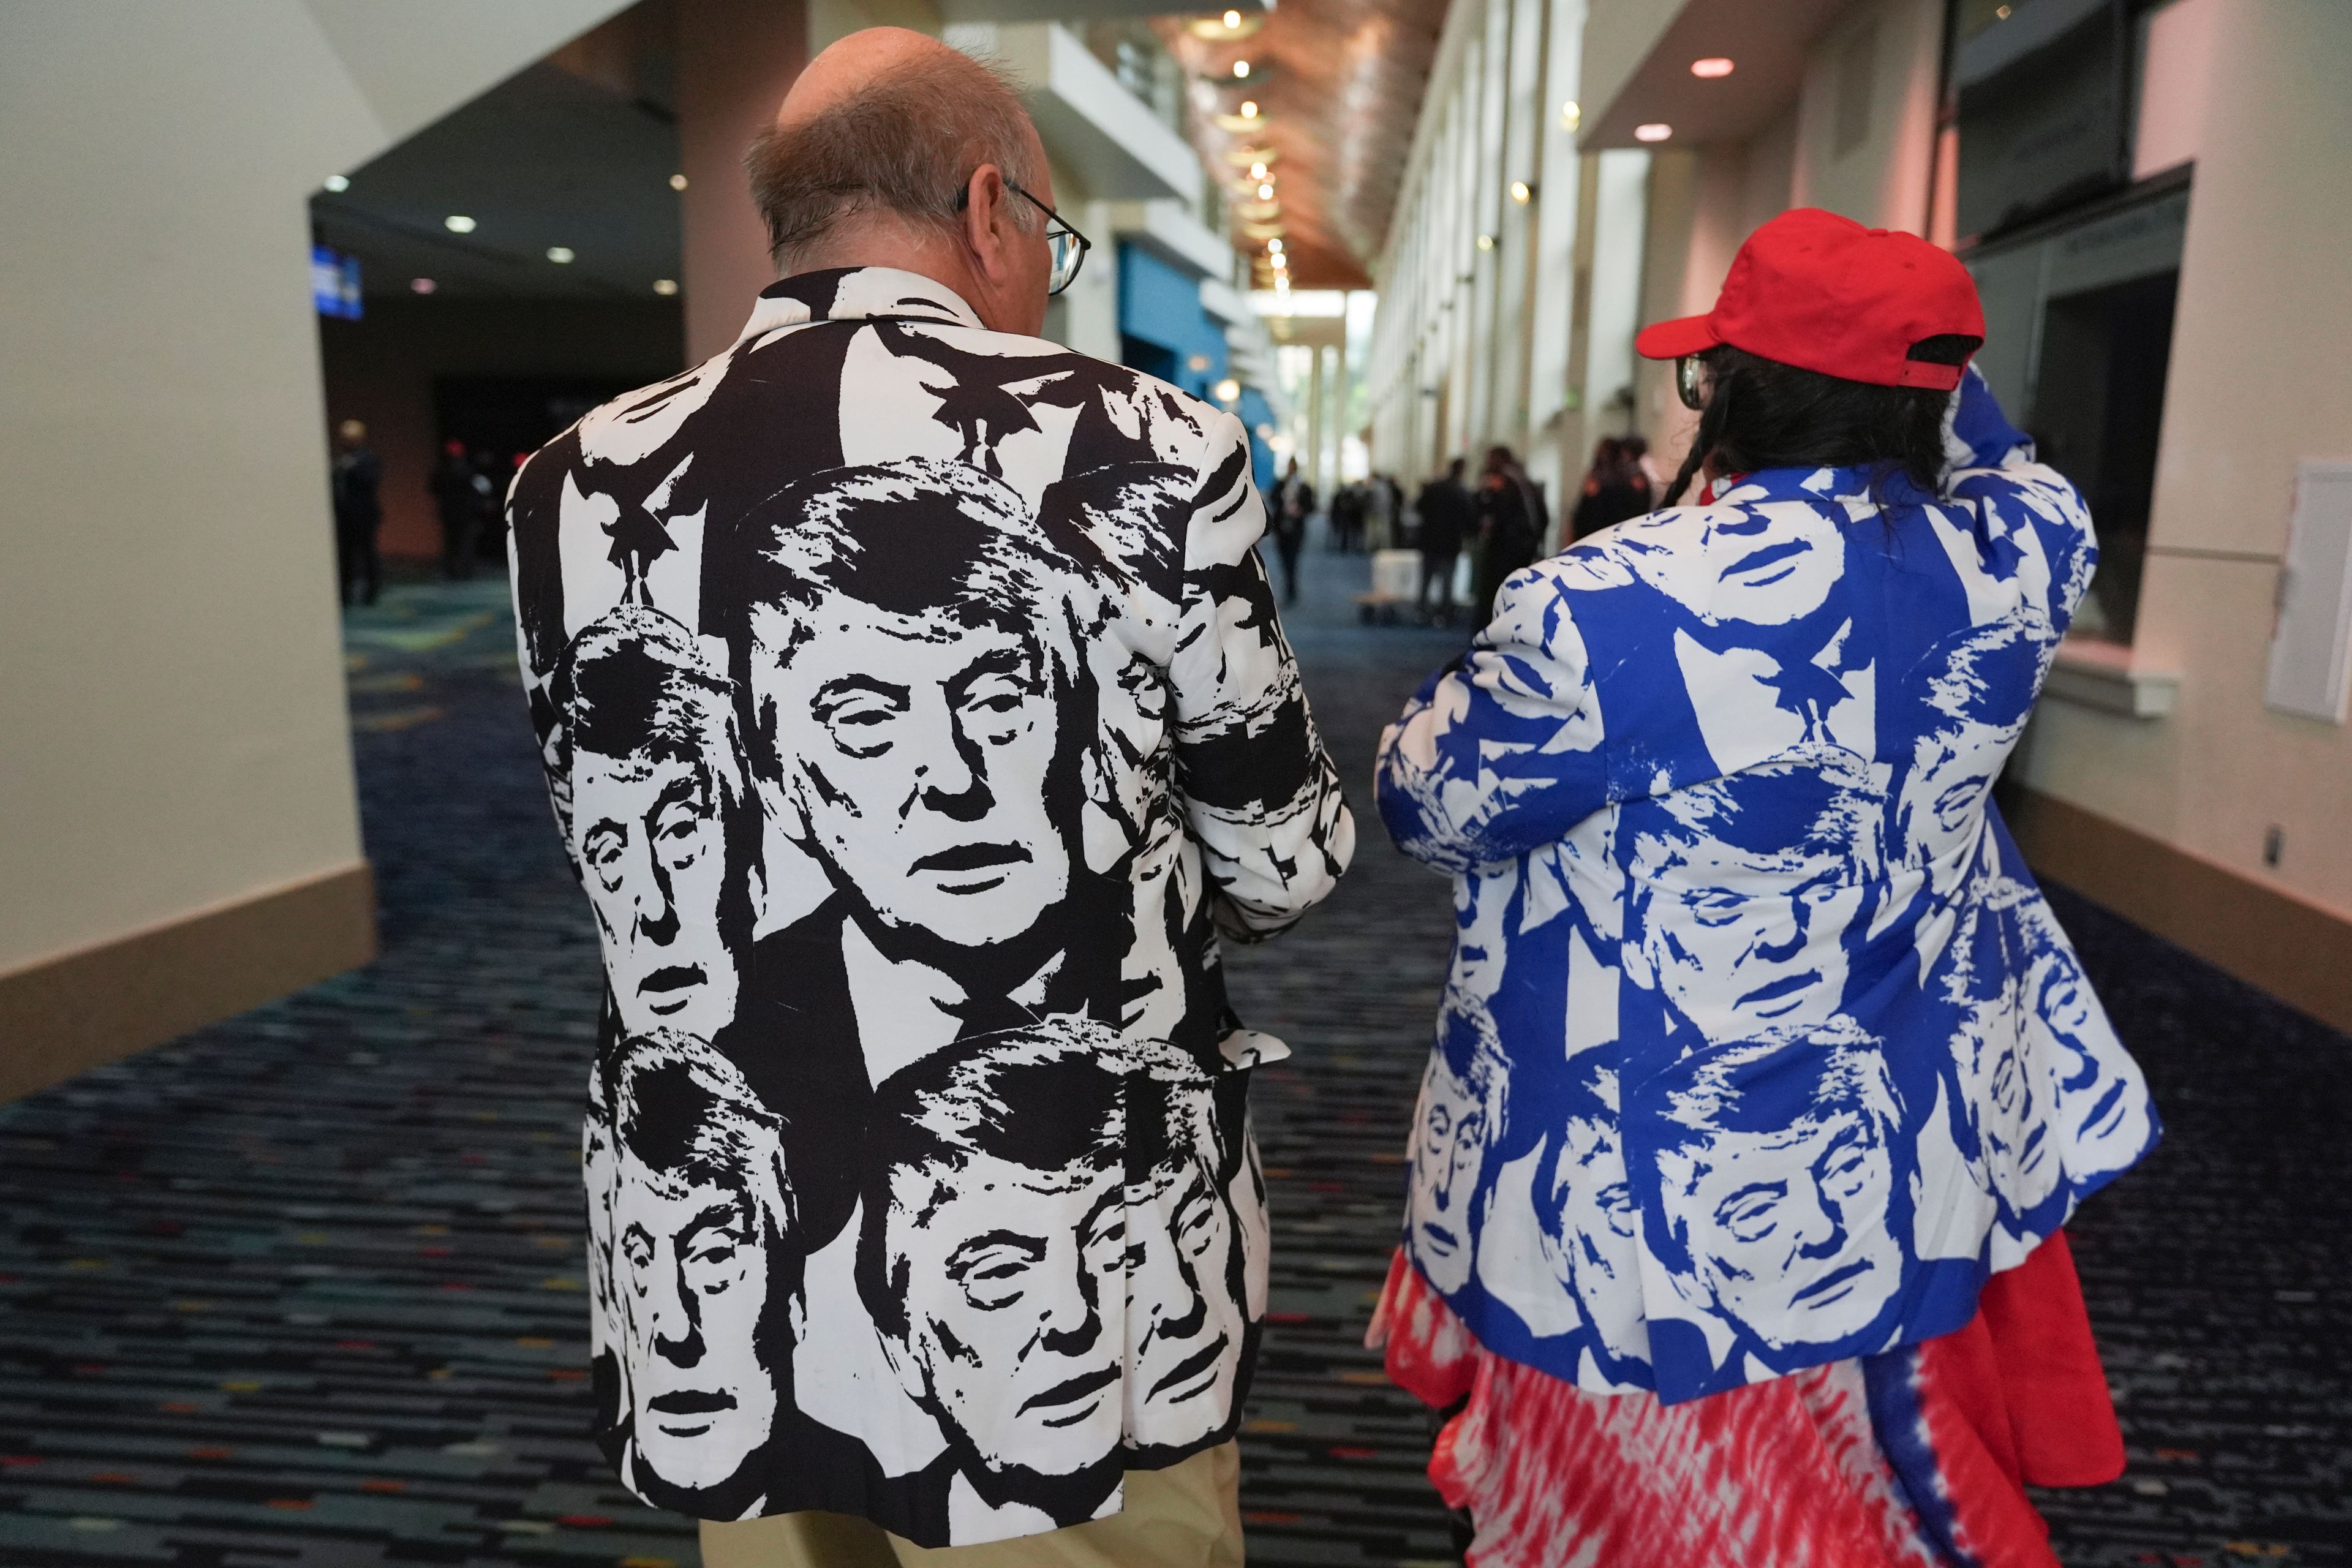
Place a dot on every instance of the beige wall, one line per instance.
(2251, 388)
(172, 714)
(736, 60)
(1881, 180)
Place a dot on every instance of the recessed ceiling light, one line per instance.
(458, 223)
(1521, 192)
(337, 183)
(1240, 70)
(665, 285)
(1232, 18)
(559, 254)
(1710, 67)
(678, 181)
(1653, 132)
(1249, 108)
(422, 285)
(1273, 247)
(1266, 193)
(1257, 171)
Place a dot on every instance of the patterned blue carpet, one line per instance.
(303, 1289)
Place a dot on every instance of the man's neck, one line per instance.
(927, 253)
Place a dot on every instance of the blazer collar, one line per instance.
(857, 293)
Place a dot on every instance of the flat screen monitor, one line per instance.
(335, 282)
(2042, 111)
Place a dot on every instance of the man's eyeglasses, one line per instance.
(1068, 246)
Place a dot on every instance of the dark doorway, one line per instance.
(503, 419)
(2098, 410)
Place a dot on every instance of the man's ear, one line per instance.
(987, 217)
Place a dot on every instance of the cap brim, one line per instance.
(1671, 339)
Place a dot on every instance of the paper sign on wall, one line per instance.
(2312, 646)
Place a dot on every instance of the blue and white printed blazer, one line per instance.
(1761, 1048)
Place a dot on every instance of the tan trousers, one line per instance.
(1187, 1516)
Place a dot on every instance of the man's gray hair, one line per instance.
(905, 143)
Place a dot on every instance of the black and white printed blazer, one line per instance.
(916, 716)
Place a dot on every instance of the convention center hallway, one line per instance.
(306, 1289)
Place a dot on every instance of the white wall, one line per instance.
(171, 721)
(2257, 382)
(1620, 222)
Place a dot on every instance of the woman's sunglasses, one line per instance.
(1693, 384)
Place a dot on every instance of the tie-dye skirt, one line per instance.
(1916, 1458)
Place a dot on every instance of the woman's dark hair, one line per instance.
(1762, 414)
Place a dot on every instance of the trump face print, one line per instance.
(918, 724)
(1760, 1048)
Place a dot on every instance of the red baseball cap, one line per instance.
(1822, 292)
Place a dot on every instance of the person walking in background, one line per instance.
(1652, 478)
(1294, 503)
(461, 492)
(1511, 524)
(1382, 504)
(1615, 488)
(1764, 1079)
(1447, 514)
(1348, 518)
(916, 715)
(359, 513)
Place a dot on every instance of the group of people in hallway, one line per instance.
(1502, 522)
(466, 501)
(918, 717)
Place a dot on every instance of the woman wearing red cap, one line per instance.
(1764, 1079)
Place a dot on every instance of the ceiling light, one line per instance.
(1257, 171)
(1522, 193)
(1249, 108)
(1240, 70)
(1654, 132)
(458, 223)
(2001, 14)
(559, 254)
(1266, 193)
(665, 286)
(422, 285)
(1232, 18)
(337, 183)
(678, 181)
(1571, 115)
(1486, 242)
(1229, 390)
(1273, 247)
(1712, 66)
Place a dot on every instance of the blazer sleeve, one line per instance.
(1503, 750)
(2032, 514)
(1260, 797)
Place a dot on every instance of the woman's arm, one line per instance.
(1502, 750)
(2020, 499)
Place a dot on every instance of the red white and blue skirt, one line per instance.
(1918, 1457)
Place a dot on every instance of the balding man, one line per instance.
(1026, 738)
